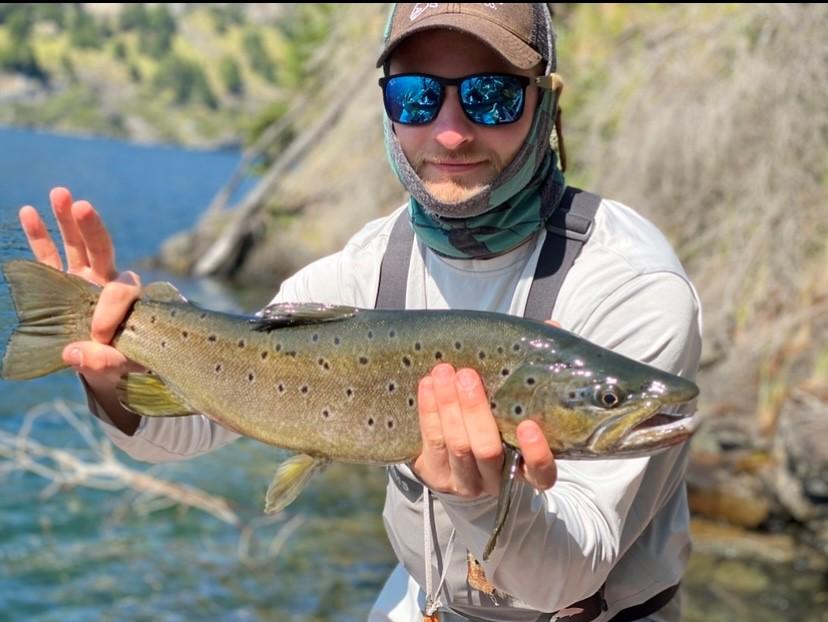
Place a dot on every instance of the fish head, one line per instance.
(594, 403)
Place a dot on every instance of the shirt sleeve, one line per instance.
(597, 508)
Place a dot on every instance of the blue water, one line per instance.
(88, 554)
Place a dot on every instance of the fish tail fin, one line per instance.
(53, 309)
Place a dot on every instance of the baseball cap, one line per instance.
(520, 33)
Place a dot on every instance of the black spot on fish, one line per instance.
(349, 392)
(211, 338)
(370, 422)
(504, 372)
(281, 388)
(411, 402)
(438, 355)
(392, 333)
(152, 319)
(500, 349)
(391, 387)
(516, 347)
(572, 395)
(337, 341)
(390, 423)
(493, 404)
(131, 327)
(481, 355)
(418, 346)
(304, 389)
(172, 313)
(163, 344)
(291, 353)
(530, 381)
(370, 334)
(518, 410)
(315, 337)
(250, 377)
(406, 361)
(218, 368)
(278, 347)
(203, 316)
(185, 334)
(363, 360)
(326, 413)
(241, 343)
(458, 345)
(264, 355)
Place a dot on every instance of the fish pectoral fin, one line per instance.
(291, 477)
(511, 465)
(163, 291)
(147, 395)
(284, 314)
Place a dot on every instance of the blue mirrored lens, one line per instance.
(413, 100)
(492, 100)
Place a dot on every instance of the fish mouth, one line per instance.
(661, 430)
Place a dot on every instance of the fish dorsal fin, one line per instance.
(163, 291)
(149, 396)
(284, 314)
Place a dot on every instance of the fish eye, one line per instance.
(608, 396)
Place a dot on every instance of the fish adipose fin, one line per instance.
(511, 465)
(285, 314)
(147, 395)
(291, 477)
(54, 309)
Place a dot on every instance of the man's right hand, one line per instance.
(90, 255)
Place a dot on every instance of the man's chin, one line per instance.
(450, 192)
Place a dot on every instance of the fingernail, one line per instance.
(466, 379)
(443, 371)
(75, 357)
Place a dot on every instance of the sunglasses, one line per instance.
(486, 98)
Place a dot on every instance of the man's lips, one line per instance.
(454, 167)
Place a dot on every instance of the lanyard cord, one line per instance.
(433, 602)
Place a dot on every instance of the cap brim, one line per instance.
(507, 45)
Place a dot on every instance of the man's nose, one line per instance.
(452, 129)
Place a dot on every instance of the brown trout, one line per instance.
(340, 383)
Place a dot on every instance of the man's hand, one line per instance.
(462, 451)
(90, 255)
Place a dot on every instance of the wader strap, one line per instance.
(567, 231)
(394, 268)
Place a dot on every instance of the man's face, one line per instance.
(454, 157)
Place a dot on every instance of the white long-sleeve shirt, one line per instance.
(619, 523)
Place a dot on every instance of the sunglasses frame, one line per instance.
(551, 82)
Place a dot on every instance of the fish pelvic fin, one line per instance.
(53, 309)
(291, 477)
(511, 466)
(147, 395)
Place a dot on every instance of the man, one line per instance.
(467, 132)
